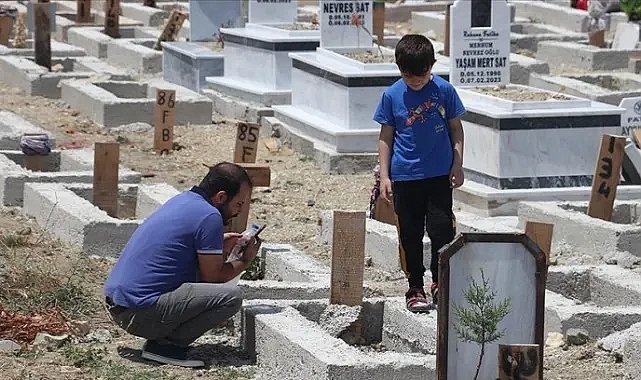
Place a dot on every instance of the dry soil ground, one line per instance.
(40, 272)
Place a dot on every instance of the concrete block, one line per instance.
(566, 55)
(13, 175)
(58, 49)
(291, 346)
(632, 162)
(234, 108)
(634, 65)
(572, 225)
(147, 16)
(112, 104)
(137, 55)
(66, 20)
(13, 127)
(526, 35)
(404, 331)
(95, 42)
(606, 87)
(35, 80)
(65, 210)
(572, 19)
(521, 67)
(325, 156)
(406, 11)
(188, 64)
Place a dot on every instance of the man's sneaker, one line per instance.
(434, 292)
(168, 354)
(416, 301)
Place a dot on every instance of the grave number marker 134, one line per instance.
(606, 177)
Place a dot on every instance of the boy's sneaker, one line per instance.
(416, 301)
(169, 354)
(434, 292)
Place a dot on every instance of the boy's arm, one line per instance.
(385, 142)
(457, 137)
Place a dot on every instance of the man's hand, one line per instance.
(251, 250)
(456, 176)
(229, 241)
(386, 189)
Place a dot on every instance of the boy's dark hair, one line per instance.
(225, 176)
(414, 54)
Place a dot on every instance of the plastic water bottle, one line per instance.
(237, 252)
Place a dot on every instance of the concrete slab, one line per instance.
(95, 42)
(58, 49)
(188, 64)
(572, 19)
(234, 108)
(137, 55)
(66, 20)
(65, 210)
(405, 11)
(527, 35)
(35, 80)
(290, 344)
(111, 104)
(147, 16)
(484, 200)
(572, 225)
(626, 345)
(62, 166)
(13, 127)
(573, 55)
(606, 87)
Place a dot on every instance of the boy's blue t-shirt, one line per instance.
(162, 253)
(422, 147)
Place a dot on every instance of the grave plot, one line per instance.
(67, 166)
(616, 240)
(601, 300)
(58, 49)
(35, 80)
(188, 64)
(137, 55)
(525, 36)
(95, 41)
(116, 103)
(68, 212)
(69, 16)
(149, 16)
(270, 35)
(13, 127)
(581, 55)
(315, 340)
(606, 87)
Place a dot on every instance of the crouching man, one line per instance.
(169, 283)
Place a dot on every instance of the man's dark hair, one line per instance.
(225, 176)
(414, 54)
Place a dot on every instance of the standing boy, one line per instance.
(421, 159)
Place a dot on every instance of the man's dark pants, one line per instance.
(181, 316)
(423, 205)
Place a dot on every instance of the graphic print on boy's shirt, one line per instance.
(422, 113)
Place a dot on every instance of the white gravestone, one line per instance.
(206, 17)
(631, 118)
(337, 29)
(626, 36)
(480, 56)
(273, 11)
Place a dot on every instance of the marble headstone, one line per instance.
(631, 118)
(480, 43)
(273, 11)
(337, 29)
(626, 36)
(206, 17)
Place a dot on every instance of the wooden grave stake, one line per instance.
(597, 38)
(173, 26)
(636, 137)
(348, 258)
(519, 362)
(164, 121)
(6, 25)
(149, 3)
(112, 18)
(606, 177)
(105, 177)
(379, 20)
(260, 175)
(541, 234)
(246, 142)
(446, 42)
(42, 34)
(83, 11)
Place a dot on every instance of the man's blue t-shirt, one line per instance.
(162, 253)
(422, 146)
